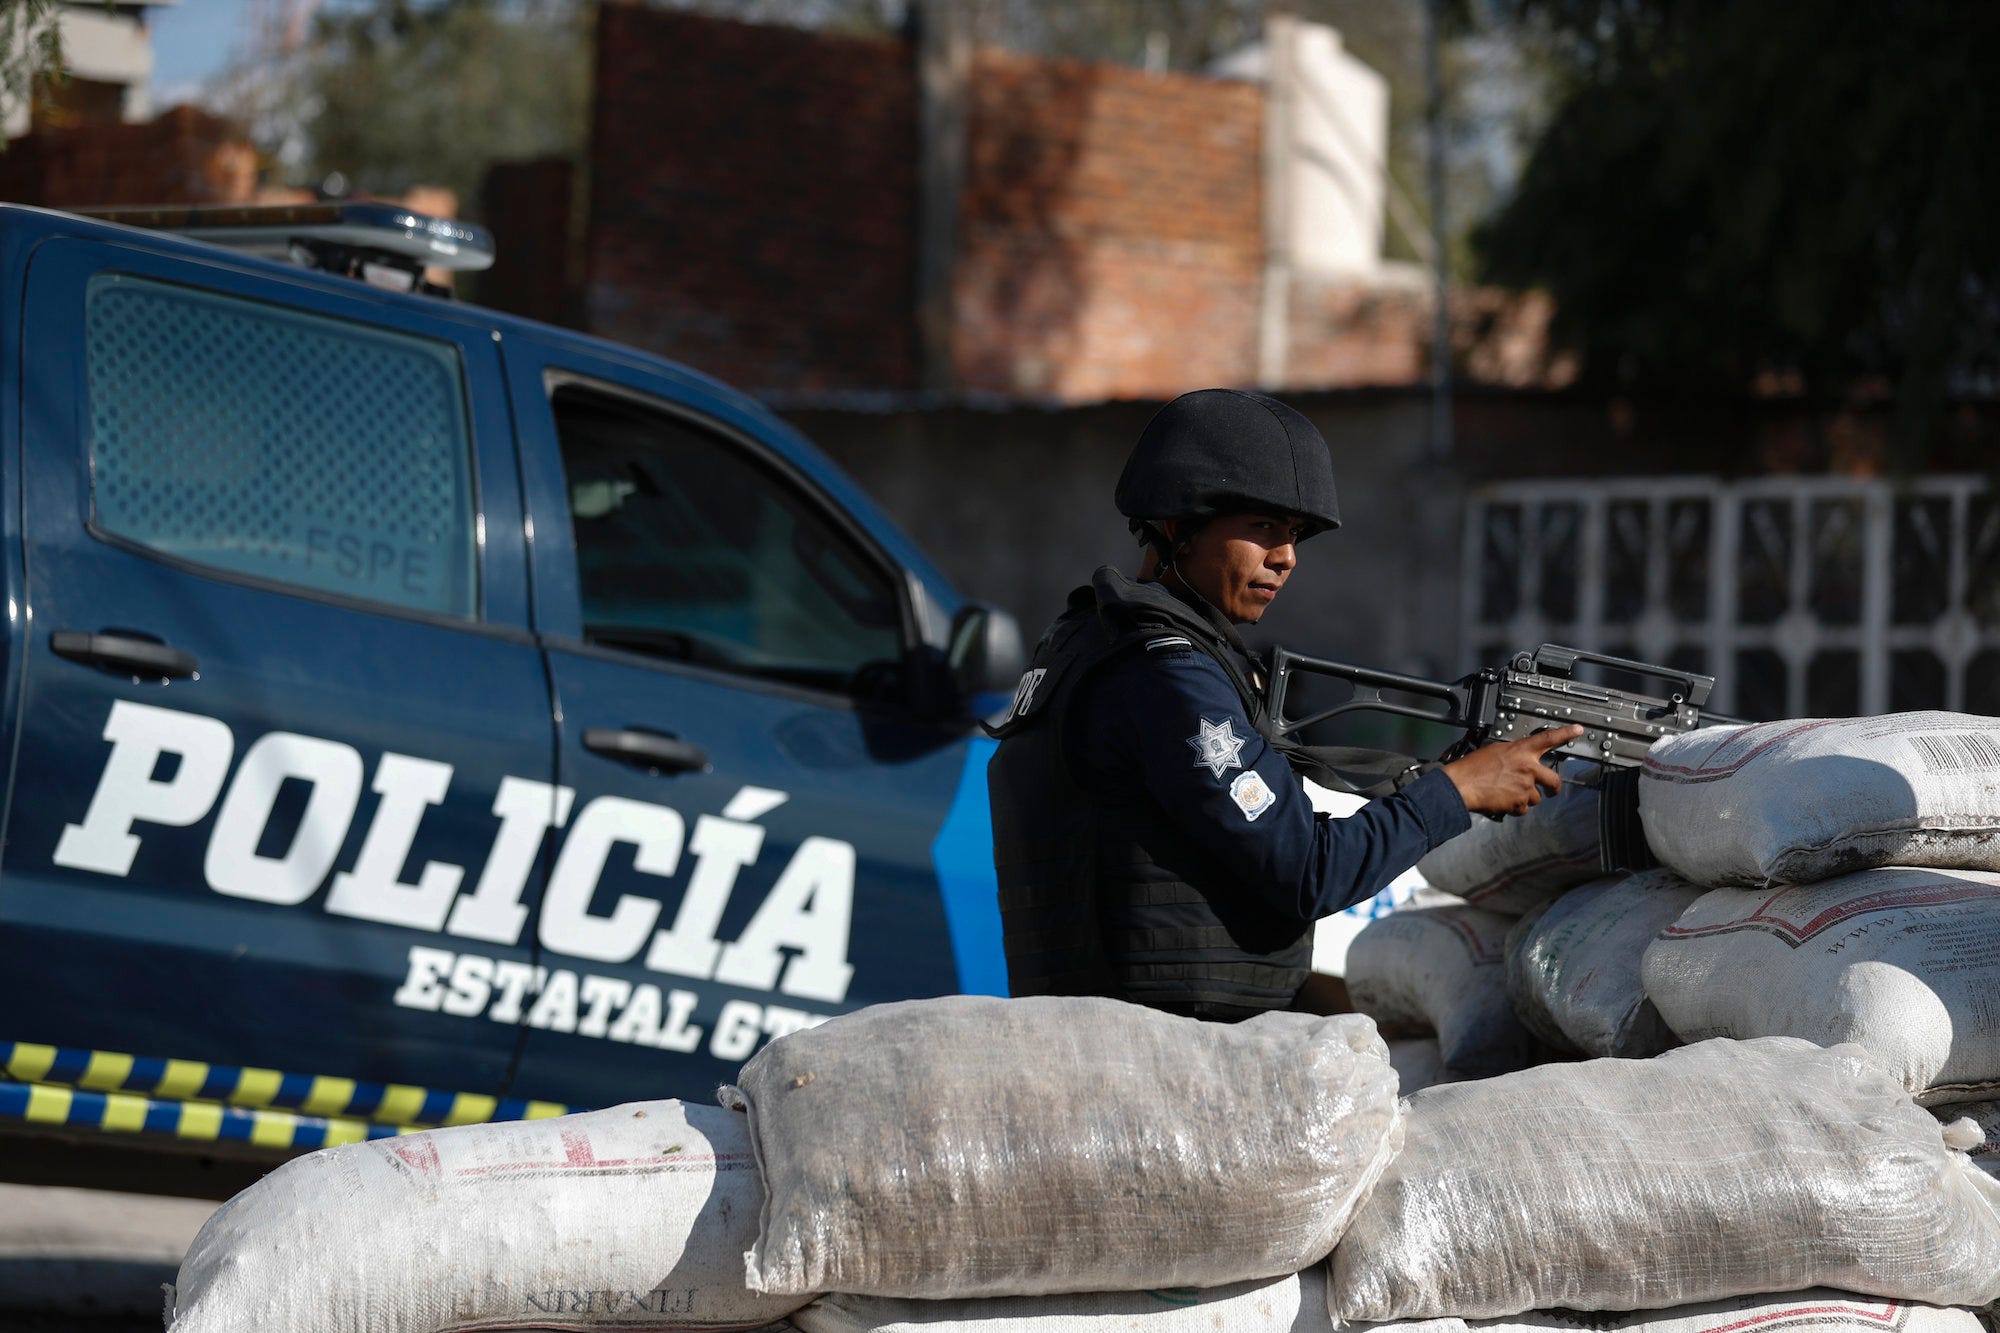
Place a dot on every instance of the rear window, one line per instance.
(297, 448)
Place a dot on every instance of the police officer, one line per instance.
(1152, 843)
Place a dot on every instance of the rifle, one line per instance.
(1533, 692)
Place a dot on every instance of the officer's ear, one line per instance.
(1178, 535)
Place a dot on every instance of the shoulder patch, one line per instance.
(1170, 641)
(1217, 747)
(1253, 795)
(1024, 693)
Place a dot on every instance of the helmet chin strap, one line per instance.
(1169, 550)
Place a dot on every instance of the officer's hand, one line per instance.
(1508, 778)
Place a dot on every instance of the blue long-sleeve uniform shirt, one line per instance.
(1164, 724)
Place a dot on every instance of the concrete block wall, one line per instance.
(1015, 506)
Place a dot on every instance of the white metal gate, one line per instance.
(1804, 596)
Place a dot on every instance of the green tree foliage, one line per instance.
(432, 92)
(1799, 190)
(30, 51)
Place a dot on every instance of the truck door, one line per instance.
(285, 743)
(757, 813)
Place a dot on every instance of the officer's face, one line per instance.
(1238, 562)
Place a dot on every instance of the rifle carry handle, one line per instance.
(1554, 659)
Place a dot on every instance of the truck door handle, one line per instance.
(126, 654)
(647, 749)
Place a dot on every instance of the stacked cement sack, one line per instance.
(1818, 1308)
(1573, 965)
(971, 1165)
(1442, 970)
(952, 1148)
(1853, 897)
(1903, 962)
(1827, 911)
(1442, 967)
(1418, 1062)
(1294, 1303)
(633, 1217)
(1085, 1145)
(1805, 800)
(1511, 866)
(1827, 934)
(1985, 1117)
(1846, 867)
(1720, 1170)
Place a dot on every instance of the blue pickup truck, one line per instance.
(416, 715)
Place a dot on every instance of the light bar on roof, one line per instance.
(272, 230)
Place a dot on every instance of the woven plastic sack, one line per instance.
(1510, 865)
(1985, 1118)
(636, 1216)
(1524, 1000)
(1418, 1063)
(971, 1146)
(1573, 970)
(1713, 1171)
(1818, 1309)
(1294, 1303)
(1443, 969)
(1904, 963)
(1808, 799)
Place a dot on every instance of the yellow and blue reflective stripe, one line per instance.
(167, 1082)
(131, 1113)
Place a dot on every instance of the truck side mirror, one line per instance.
(986, 654)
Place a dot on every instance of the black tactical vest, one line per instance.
(1100, 894)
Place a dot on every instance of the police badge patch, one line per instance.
(1218, 747)
(1253, 795)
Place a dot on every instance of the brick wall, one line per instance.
(753, 203)
(1111, 236)
(752, 200)
(753, 207)
(527, 205)
(184, 156)
(1346, 334)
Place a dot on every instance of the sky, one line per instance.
(193, 40)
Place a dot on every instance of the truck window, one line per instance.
(688, 550)
(297, 448)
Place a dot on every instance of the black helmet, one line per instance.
(1217, 451)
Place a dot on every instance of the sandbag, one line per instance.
(1985, 1117)
(1818, 1309)
(1904, 963)
(1573, 971)
(1418, 1063)
(1294, 1303)
(636, 1216)
(1442, 969)
(1510, 865)
(1808, 799)
(1713, 1171)
(971, 1146)
(1522, 998)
